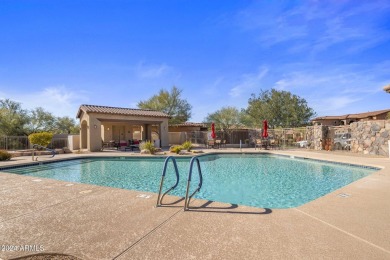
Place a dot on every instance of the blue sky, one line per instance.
(60, 54)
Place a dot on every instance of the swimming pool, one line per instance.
(259, 180)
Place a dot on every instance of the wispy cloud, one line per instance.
(318, 25)
(58, 100)
(333, 105)
(214, 87)
(248, 82)
(336, 90)
(145, 70)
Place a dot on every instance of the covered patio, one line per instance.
(103, 124)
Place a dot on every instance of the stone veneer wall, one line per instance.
(368, 137)
(371, 137)
(315, 135)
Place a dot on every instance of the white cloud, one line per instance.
(335, 90)
(318, 25)
(248, 82)
(58, 100)
(144, 70)
(337, 103)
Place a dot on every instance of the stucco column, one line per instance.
(149, 132)
(83, 142)
(95, 135)
(164, 137)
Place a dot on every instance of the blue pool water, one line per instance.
(267, 181)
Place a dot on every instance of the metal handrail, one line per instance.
(159, 198)
(188, 198)
(48, 149)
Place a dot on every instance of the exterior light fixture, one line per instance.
(95, 126)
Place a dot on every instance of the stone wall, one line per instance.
(315, 135)
(371, 137)
(367, 137)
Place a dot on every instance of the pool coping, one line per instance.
(54, 160)
(334, 226)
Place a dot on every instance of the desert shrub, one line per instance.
(5, 156)
(187, 146)
(176, 149)
(149, 146)
(43, 138)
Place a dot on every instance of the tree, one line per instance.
(13, 119)
(42, 139)
(41, 120)
(66, 125)
(169, 103)
(280, 108)
(226, 119)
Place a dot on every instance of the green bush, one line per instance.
(42, 139)
(5, 156)
(187, 146)
(176, 149)
(149, 146)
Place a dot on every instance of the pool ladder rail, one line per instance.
(159, 197)
(188, 197)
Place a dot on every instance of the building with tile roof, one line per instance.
(350, 118)
(104, 124)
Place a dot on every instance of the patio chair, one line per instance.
(265, 143)
(114, 144)
(274, 144)
(218, 143)
(210, 143)
(258, 143)
(105, 145)
(133, 144)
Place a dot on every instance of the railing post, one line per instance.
(160, 197)
(188, 197)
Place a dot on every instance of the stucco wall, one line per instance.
(177, 137)
(74, 142)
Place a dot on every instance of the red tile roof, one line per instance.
(189, 124)
(354, 116)
(119, 111)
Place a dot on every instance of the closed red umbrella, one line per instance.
(213, 131)
(265, 129)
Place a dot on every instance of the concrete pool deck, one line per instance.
(93, 222)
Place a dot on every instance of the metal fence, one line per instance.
(338, 138)
(283, 137)
(12, 143)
